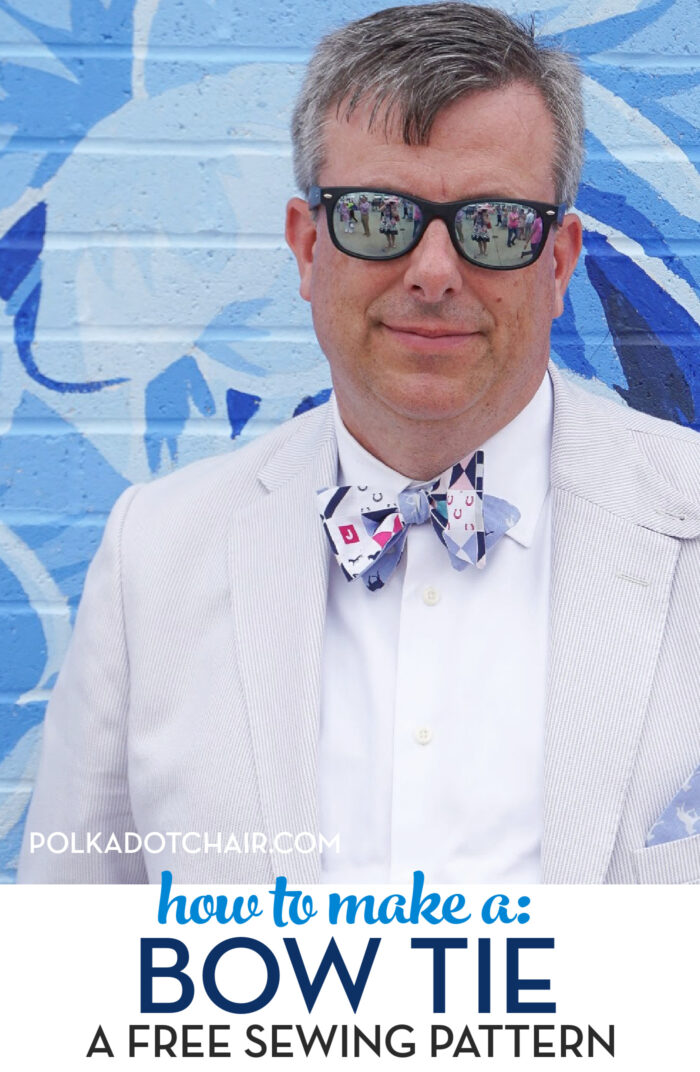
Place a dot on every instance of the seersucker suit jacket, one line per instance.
(189, 699)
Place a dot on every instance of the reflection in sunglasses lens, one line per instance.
(499, 234)
(374, 224)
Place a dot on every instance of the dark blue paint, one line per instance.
(660, 368)
(662, 218)
(568, 343)
(311, 401)
(20, 248)
(616, 211)
(25, 327)
(644, 89)
(168, 398)
(241, 407)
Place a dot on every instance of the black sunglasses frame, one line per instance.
(328, 196)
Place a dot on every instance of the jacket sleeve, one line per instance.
(82, 786)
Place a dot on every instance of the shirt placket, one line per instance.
(418, 723)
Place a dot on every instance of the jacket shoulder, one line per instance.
(669, 449)
(237, 472)
(228, 482)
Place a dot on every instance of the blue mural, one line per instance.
(168, 397)
(55, 91)
(151, 312)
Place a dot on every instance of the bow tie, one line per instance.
(367, 528)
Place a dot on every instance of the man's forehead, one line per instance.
(481, 134)
(396, 121)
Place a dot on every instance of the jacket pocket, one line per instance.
(671, 862)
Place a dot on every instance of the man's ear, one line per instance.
(300, 232)
(567, 246)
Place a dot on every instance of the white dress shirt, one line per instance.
(433, 687)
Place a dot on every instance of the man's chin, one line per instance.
(432, 404)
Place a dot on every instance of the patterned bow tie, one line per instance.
(367, 528)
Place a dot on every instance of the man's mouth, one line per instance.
(429, 337)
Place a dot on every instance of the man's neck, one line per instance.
(423, 449)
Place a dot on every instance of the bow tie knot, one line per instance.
(414, 506)
(367, 529)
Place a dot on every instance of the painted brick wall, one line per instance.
(149, 309)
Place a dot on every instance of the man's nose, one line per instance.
(434, 266)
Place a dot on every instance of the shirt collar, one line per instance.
(516, 462)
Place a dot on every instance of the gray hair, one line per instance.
(411, 62)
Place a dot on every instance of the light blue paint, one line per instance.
(675, 31)
(228, 24)
(663, 221)
(685, 103)
(46, 104)
(234, 315)
(16, 173)
(616, 32)
(169, 398)
(25, 327)
(55, 13)
(67, 478)
(22, 645)
(9, 848)
(643, 90)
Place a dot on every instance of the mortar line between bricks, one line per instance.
(204, 53)
(19, 518)
(59, 609)
(253, 52)
(125, 147)
(37, 696)
(185, 336)
(111, 426)
(640, 153)
(69, 241)
(154, 240)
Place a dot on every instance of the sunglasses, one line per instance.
(378, 225)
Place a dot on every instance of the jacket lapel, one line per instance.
(614, 549)
(279, 564)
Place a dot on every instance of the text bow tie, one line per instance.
(367, 528)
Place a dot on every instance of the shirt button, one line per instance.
(424, 735)
(431, 596)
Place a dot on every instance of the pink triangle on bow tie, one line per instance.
(383, 535)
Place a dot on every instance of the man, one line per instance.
(532, 720)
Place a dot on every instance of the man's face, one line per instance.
(429, 337)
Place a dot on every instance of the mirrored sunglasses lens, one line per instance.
(377, 225)
(499, 234)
